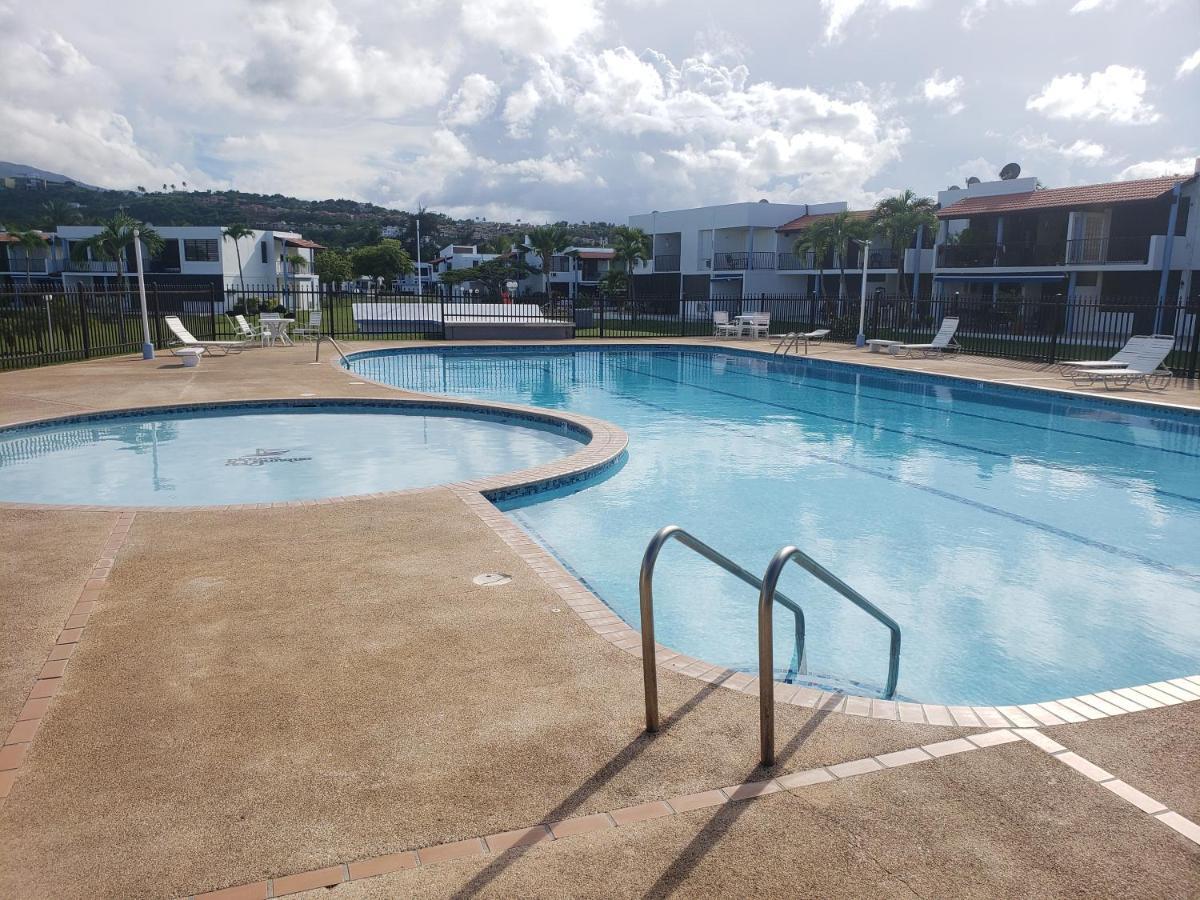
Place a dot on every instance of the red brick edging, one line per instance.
(50, 678)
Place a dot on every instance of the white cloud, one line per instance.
(531, 27)
(839, 12)
(1083, 6)
(308, 56)
(1115, 94)
(1153, 168)
(473, 102)
(976, 9)
(943, 93)
(1080, 150)
(1188, 65)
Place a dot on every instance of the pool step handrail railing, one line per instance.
(766, 649)
(328, 337)
(646, 595)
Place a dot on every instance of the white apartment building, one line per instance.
(747, 250)
(191, 255)
(455, 257)
(575, 272)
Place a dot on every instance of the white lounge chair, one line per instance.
(942, 341)
(185, 337)
(1145, 364)
(312, 330)
(722, 327)
(794, 339)
(1118, 360)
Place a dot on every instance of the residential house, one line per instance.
(575, 272)
(1127, 241)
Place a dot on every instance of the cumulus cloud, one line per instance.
(1080, 150)
(943, 93)
(1154, 168)
(1188, 65)
(310, 56)
(1116, 94)
(530, 27)
(473, 102)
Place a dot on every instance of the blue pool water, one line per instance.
(263, 454)
(1031, 546)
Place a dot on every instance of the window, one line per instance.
(201, 250)
(262, 252)
(1087, 279)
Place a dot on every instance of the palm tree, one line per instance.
(501, 245)
(843, 228)
(898, 219)
(30, 242)
(111, 242)
(545, 241)
(235, 233)
(59, 212)
(817, 240)
(164, 186)
(631, 246)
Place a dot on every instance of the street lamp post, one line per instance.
(861, 340)
(147, 344)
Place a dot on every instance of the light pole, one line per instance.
(147, 344)
(861, 340)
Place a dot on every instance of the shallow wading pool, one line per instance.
(1031, 545)
(267, 453)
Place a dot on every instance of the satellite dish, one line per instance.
(1009, 172)
(954, 187)
(764, 200)
(972, 180)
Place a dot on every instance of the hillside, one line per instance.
(336, 223)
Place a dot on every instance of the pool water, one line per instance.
(263, 454)
(1031, 546)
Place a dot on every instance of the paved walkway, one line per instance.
(270, 700)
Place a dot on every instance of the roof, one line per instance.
(7, 238)
(1057, 198)
(301, 242)
(804, 221)
(594, 254)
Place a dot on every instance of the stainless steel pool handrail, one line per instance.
(766, 649)
(336, 345)
(646, 592)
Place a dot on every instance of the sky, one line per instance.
(584, 110)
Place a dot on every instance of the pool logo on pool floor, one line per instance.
(263, 457)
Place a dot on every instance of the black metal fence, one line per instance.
(45, 324)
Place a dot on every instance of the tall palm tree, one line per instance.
(898, 219)
(30, 242)
(817, 240)
(842, 229)
(113, 239)
(631, 246)
(545, 241)
(235, 233)
(501, 245)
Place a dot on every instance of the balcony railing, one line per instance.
(1134, 249)
(666, 262)
(1130, 250)
(760, 259)
(33, 266)
(93, 266)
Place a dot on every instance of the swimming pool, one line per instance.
(1031, 545)
(266, 453)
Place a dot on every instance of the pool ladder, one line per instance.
(338, 347)
(768, 596)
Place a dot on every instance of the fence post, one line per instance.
(158, 339)
(1060, 311)
(212, 312)
(83, 324)
(1195, 351)
(442, 307)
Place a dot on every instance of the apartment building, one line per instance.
(746, 250)
(1128, 239)
(575, 272)
(191, 255)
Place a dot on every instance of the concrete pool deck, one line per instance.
(238, 713)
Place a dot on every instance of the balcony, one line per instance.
(742, 261)
(36, 265)
(92, 266)
(666, 262)
(1131, 250)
